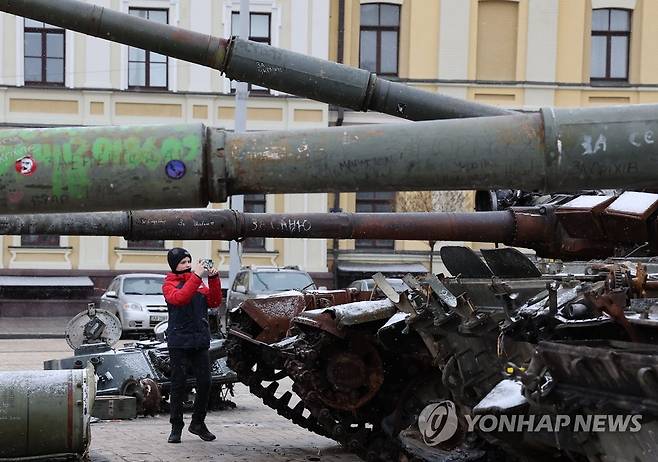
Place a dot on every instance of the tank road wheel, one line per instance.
(146, 393)
(340, 382)
(354, 375)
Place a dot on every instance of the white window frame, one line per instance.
(173, 7)
(69, 58)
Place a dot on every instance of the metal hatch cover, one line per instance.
(510, 263)
(464, 262)
(93, 326)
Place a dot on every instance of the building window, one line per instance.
(379, 40)
(145, 68)
(44, 54)
(375, 202)
(259, 31)
(611, 37)
(254, 203)
(39, 240)
(146, 244)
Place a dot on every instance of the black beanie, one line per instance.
(175, 255)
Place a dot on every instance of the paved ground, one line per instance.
(32, 327)
(251, 432)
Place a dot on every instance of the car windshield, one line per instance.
(143, 286)
(277, 281)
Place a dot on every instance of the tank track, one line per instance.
(353, 431)
(243, 358)
(358, 431)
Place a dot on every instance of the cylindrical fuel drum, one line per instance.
(45, 413)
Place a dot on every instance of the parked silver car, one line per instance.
(137, 300)
(254, 282)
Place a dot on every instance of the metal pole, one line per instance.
(241, 95)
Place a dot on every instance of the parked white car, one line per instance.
(137, 300)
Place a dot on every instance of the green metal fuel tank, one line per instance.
(45, 414)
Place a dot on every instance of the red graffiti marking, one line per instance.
(26, 165)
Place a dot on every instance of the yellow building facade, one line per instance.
(518, 54)
(51, 77)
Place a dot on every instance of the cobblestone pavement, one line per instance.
(251, 432)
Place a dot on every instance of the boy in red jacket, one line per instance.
(188, 337)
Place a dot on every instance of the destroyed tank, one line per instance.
(384, 377)
(140, 369)
(373, 370)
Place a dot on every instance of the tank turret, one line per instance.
(584, 227)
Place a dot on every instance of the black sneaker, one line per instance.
(201, 431)
(174, 436)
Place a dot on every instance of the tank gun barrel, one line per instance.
(254, 62)
(120, 168)
(232, 225)
(585, 227)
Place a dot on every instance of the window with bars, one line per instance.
(379, 38)
(254, 203)
(611, 38)
(259, 31)
(43, 54)
(375, 202)
(39, 240)
(146, 244)
(145, 68)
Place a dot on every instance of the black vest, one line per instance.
(188, 324)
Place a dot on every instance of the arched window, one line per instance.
(611, 38)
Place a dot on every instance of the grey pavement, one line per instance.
(251, 432)
(32, 327)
